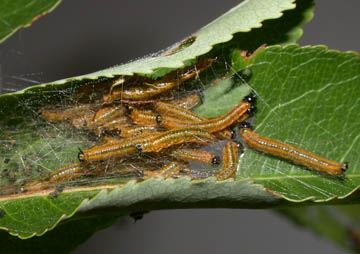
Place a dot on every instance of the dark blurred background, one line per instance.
(84, 36)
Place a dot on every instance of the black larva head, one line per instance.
(117, 132)
(233, 134)
(81, 156)
(128, 109)
(158, 119)
(104, 132)
(345, 167)
(240, 146)
(251, 110)
(250, 98)
(215, 160)
(139, 148)
(245, 125)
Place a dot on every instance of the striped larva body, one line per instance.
(136, 130)
(112, 126)
(145, 117)
(67, 113)
(173, 137)
(170, 109)
(151, 89)
(106, 114)
(173, 113)
(289, 152)
(213, 124)
(187, 102)
(230, 161)
(110, 150)
(67, 172)
(194, 155)
(154, 142)
(173, 169)
(83, 120)
(60, 175)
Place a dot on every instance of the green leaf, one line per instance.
(307, 97)
(15, 14)
(292, 84)
(63, 239)
(246, 16)
(284, 30)
(35, 147)
(330, 222)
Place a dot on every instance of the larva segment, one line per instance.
(173, 137)
(82, 121)
(187, 102)
(230, 161)
(213, 124)
(60, 175)
(130, 131)
(289, 152)
(145, 117)
(112, 126)
(150, 89)
(105, 115)
(194, 155)
(170, 109)
(173, 169)
(173, 113)
(111, 150)
(114, 149)
(68, 113)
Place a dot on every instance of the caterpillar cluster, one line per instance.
(140, 119)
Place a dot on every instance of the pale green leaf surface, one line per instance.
(308, 97)
(15, 14)
(242, 18)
